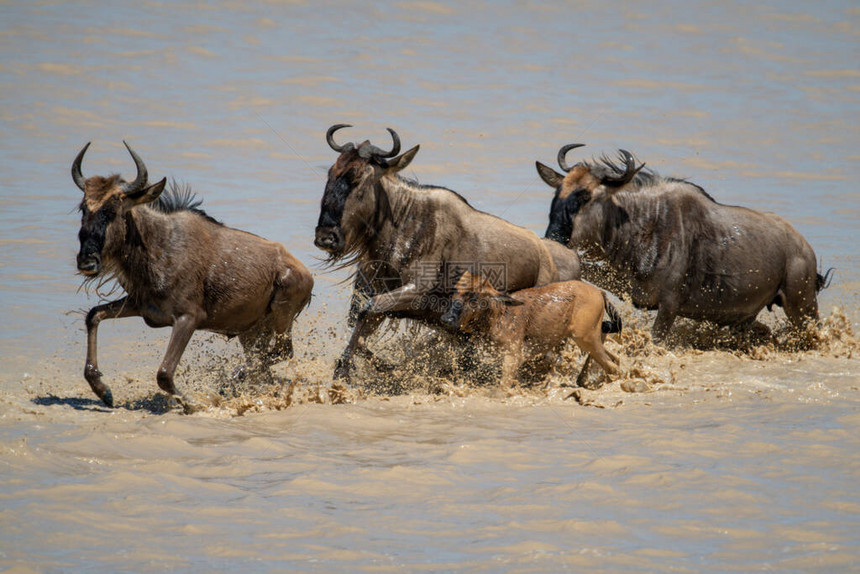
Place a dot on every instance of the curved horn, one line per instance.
(395, 149)
(562, 163)
(77, 176)
(368, 150)
(135, 188)
(630, 170)
(329, 137)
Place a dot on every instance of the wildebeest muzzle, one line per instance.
(92, 240)
(329, 239)
(451, 318)
(89, 263)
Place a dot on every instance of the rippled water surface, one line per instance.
(731, 460)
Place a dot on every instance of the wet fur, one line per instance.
(673, 248)
(181, 268)
(416, 235)
(531, 322)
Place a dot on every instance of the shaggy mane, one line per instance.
(179, 197)
(414, 184)
(645, 177)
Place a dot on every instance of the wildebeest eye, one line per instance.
(107, 213)
(578, 199)
(581, 196)
(101, 218)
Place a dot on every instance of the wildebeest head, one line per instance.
(354, 201)
(581, 187)
(473, 296)
(107, 201)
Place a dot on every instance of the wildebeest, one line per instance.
(415, 239)
(181, 268)
(678, 250)
(531, 322)
(566, 260)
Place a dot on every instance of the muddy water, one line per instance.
(727, 460)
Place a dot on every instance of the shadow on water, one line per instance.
(157, 404)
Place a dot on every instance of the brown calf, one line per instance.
(535, 321)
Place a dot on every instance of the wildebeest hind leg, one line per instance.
(799, 302)
(292, 294)
(183, 329)
(666, 313)
(256, 349)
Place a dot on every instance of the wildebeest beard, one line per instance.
(347, 247)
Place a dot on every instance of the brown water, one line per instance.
(726, 460)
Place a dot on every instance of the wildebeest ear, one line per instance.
(399, 163)
(507, 300)
(150, 193)
(551, 177)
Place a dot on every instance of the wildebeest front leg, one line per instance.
(362, 291)
(183, 327)
(115, 310)
(371, 325)
(400, 299)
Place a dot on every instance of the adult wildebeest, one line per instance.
(181, 268)
(676, 249)
(531, 322)
(415, 239)
(566, 260)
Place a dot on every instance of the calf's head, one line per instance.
(471, 302)
(354, 201)
(106, 202)
(582, 187)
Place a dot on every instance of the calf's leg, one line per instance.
(592, 343)
(512, 360)
(583, 373)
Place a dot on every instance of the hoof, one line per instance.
(189, 407)
(107, 397)
(592, 385)
(382, 366)
(341, 370)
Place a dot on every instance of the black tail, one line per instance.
(823, 281)
(614, 323)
